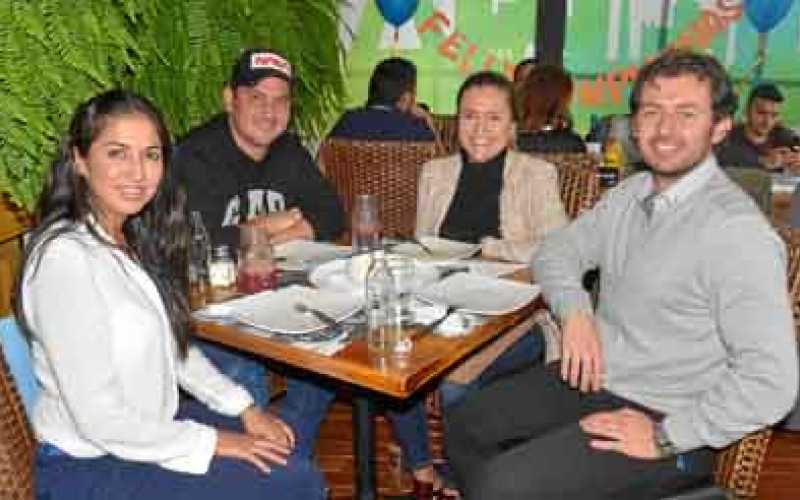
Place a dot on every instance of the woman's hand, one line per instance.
(262, 424)
(257, 450)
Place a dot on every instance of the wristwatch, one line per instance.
(665, 448)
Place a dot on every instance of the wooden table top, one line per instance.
(400, 377)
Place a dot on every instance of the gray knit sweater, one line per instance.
(693, 314)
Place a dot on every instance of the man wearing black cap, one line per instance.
(761, 140)
(245, 166)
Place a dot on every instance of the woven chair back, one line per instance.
(791, 237)
(586, 161)
(17, 444)
(388, 169)
(738, 466)
(579, 189)
(445, 127)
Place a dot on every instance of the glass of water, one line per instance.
(402, 269)
(365, 224)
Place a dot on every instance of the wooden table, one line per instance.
(431, 356)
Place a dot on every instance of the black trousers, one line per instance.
(519, 438)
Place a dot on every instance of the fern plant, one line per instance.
(56, 53)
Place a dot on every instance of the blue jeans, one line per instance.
(411, 425)
(525, 352)
(244, 369)
(303, 407)
(62, 477)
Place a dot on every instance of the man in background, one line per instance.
(391, 112)
(761, 141)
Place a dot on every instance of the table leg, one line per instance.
(364, 448)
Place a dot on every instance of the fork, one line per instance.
(425, 248)
(321, 316)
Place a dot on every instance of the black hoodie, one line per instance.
(228, 187)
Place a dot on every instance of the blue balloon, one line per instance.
(766, 14)
(397, 12)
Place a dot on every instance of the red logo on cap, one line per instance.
(268, 60)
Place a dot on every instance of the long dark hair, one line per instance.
(155, 236)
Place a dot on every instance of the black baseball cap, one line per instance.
(255, 64)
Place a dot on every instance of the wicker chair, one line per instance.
(446, 129)
(586, 161)
(739, 466)
(17, 444)
(388, 169)
(579, 188)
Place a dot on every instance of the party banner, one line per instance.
(606, 42)
(756, 40)
(446, 39)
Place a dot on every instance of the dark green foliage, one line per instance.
(56, 53)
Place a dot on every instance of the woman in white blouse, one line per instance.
(108, 325)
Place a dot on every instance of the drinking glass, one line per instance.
(256, 267)
(365, 224)
(402, 269)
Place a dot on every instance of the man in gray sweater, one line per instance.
(691, 345)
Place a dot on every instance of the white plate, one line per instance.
(480, 294)
(274, 310)
(334, 275)
(298, 255)
(455, 325)
(443, 249)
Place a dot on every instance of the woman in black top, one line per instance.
(544, 113)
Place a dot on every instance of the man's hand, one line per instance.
(790, 159)
(256, 450)
(262, 424)
(625, 431)
(774, 159)
(581, 354)
(300, 230)
(284, 226)
(418, 112)
(276, 222)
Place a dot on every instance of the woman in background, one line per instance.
(545, 125)
(108, 323)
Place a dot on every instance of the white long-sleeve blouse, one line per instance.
(107, 362)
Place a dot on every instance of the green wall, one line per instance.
(505, 35)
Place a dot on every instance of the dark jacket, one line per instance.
(381, 123)
(550, 141)
(736, 150)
